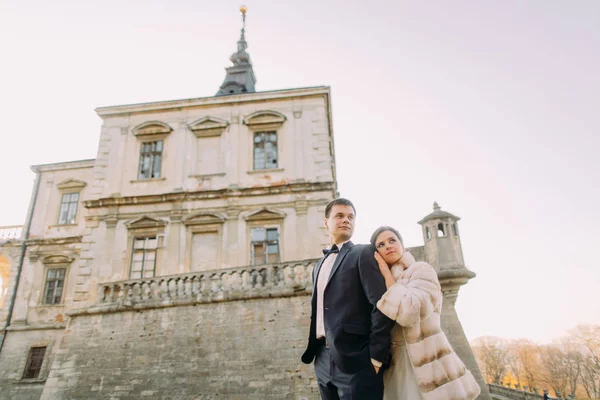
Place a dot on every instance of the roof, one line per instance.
(438, 213)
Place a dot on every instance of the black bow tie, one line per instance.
(334, 249)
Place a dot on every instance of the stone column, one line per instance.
(232, 247)
(302, 240)
(451, 280)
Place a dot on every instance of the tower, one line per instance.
(240, 77)
(443, 251)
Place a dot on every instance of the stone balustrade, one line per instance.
(506, 392)
(10, 232)
(277, 280)
(503, 392)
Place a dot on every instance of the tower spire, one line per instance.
(240, 77)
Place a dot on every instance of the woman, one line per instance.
(423, 366)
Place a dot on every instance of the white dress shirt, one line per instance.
(322, 279)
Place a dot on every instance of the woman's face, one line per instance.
(389, 247)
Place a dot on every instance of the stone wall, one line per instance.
(247, 349)
(501, 393)
(13, 358)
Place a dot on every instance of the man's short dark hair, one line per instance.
(341, 201)
(382, 229)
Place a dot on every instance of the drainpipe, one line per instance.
(25, 236)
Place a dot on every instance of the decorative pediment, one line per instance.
(145, 222)
(71, 184)
(204, 219)
(57, 259)
(264, 214)
(151, 128)
(208, 127)
(265, 120)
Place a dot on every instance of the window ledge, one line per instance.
(148, 180)
(29, 381)
(63, 225)
(202, 176)
(35, 327)
(262, 171)
(50, 305)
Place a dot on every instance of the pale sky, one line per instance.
(490, 108)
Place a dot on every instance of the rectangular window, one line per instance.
(68, 208)
(264, 246)
(150, 160)
(55, 282)
(34, 362)
(143, 261)
(265, 150)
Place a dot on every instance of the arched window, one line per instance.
(428, 233)
(441, 230)
(455, 229)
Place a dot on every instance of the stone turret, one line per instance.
(443, 251)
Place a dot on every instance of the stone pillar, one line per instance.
(232, 247)
(451, 282)
(302, 229)
(175, 246)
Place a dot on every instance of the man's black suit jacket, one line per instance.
(355, 329)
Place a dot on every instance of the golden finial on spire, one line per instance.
(243, 10)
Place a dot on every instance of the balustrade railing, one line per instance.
(10, 232)
(278, 280)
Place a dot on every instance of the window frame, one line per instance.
(266, 121)
(146, 238)
(265, 165)
(153, 153)
(266, 244)
(60, 207)
(29, 361)
(46, 280)
(143, 227)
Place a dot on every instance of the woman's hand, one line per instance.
(385, 271)
(383, 267)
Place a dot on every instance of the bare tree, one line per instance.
(493, 355)
(527, 353)
(574, 364)
(588, 336)
(554, 371)
(514, 363)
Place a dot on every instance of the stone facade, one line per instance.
(209, 195)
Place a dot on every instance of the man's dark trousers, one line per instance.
(335, 384)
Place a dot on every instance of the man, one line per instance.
(349, 337)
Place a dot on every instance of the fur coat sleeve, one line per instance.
(415, 295)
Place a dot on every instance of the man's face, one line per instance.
(340, 223)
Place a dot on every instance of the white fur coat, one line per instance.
(415, 303)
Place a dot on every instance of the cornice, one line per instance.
(53, 241)
(210, 194)
(212, 101)
(78, 164)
